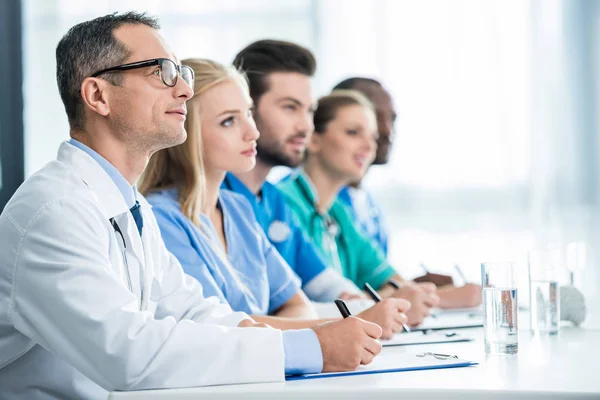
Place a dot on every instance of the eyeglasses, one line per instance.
(169, 71)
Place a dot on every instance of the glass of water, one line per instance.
(500, 308)
(544, 291)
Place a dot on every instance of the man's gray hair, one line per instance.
(89, 47)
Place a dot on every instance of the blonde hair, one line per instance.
(181, 167)
(328, 106)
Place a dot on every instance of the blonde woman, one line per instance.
(214, 232)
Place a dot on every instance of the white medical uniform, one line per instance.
(84, 311)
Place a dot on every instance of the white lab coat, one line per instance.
(77, 321)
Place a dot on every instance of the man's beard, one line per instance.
(274, 156)
(153, 137)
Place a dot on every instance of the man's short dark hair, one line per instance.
(352, 83)
(263, 57)
(89, 47)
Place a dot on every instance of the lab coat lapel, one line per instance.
(147, 243)
(95, 177)
(113, 205)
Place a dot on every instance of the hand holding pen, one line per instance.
(347, 343)
(421, 300)
(389, 314)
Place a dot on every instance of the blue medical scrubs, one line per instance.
(252, 276)
(281, 227)
(366, 213)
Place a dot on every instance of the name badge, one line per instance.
(278, 231)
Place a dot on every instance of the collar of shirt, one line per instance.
(127, 191)
(344, 196)
(231, 182)
(307, 189)
(337, 215)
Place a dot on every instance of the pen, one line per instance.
(377, 298)
(395, 284)
(422, 265)
(372, 293)
(460, 273)
(342, 307)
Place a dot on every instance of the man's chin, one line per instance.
(295, 161)
(172, 138)
(181, 136)
(381, 159)
(382, 155)
(277, 159)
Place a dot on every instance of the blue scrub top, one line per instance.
(366, 213)
(252, 277)
(281, 227)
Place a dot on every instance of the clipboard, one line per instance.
(395, 363)
(424, 337)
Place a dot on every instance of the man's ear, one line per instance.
(95, 95)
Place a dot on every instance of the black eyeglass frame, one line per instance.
(149, 63)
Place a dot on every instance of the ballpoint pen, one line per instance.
(460, 273)
(377, 298)
(343, 308)
(395, 284)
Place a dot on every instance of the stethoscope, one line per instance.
(331, 226)
(117, 229)
(123, 251)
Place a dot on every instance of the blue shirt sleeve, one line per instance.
(174, 234)
(302, 351)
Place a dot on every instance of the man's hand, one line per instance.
(421, 299)
(427, 287)
(250, 323)
(389, 314)
(348, 343)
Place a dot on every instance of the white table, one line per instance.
(557, 367)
